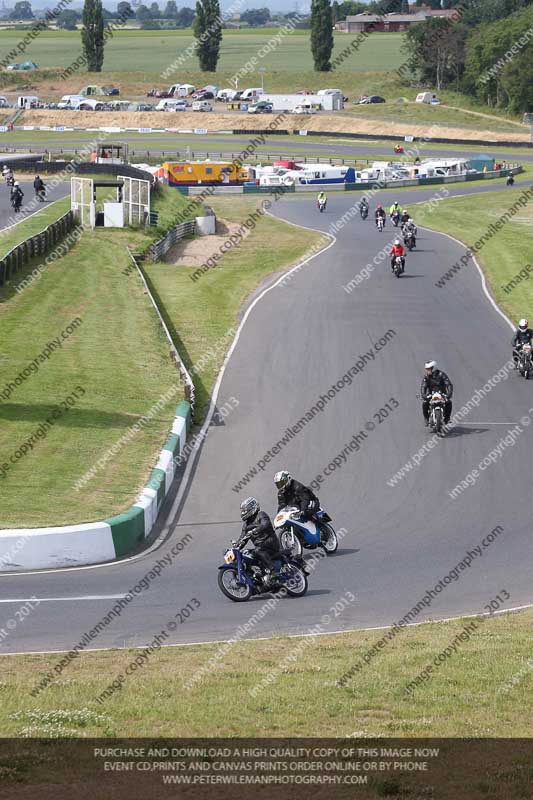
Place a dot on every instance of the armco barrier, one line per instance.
(37, 245)
(96, 542)
(162, 246)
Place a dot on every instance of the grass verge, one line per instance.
(116, 353)
(508, 252)
(482, 689)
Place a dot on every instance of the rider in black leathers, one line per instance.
(435, 380)
(523, 335)
(294, 493)
(258, 527)
(38, 185)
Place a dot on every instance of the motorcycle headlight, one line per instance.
(229, 557)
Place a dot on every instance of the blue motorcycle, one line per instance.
(241, 577)
(295, 532)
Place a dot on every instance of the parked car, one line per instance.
(171, 104)
(144, 107)
(263, 107)
(303, 108)
(374, 98)
(158, 93)
(3, 102)
(202, 105)
(203, 94)
(110, 90)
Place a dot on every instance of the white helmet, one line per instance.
(397, 242)
(523, 324)
(430, 365)
(282, 479)
(16, 183)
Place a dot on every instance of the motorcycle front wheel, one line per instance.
(328, 539)
(230, 586)
(437, 425)
(289, 541)
(297, 584)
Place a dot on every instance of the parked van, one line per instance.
(28, 101)
(303, 108)
(249, 94)
(71, 101)
(202, 105)
(171, 104)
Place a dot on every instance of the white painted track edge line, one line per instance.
(514, 610)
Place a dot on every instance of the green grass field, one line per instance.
(12, 236)
(504, 256)
(117, 354)
(482, 690)
(156, 50)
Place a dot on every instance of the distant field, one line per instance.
(154, 51)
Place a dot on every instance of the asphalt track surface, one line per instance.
(280, 145)
(298, 340)
(7, 215)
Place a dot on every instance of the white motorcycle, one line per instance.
(295, 532)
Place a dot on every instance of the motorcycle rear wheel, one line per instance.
(298, 584)
(228, 585)
(289, 541)
(330, 543)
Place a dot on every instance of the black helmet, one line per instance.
(249, 508)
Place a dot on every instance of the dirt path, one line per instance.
(195, 252)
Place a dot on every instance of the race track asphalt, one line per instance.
(401, 540)
(7, 215)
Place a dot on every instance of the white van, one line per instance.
(303, 108)
(27, 101)
(226, 95)
(249, 94)
(329, 91)
(171, 104)
(202, 105)
(71, 101)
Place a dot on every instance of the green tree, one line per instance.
(436, 51)
(92, 35)
(321, 34)
(22, 10)
(208, 33)
(255, 17)
(155, 11)
(405, 6)
(124, 10)
(67, 20)
(185, 17)
(143, 13)
(171, 9)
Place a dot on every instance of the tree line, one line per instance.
(486, 51)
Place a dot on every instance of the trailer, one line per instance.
(303, 174)
(319, 102)
(204, 173)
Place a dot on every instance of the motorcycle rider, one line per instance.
(523, 335)
(293, 493)
(435, 380)
(363, 206)
(397, 250)
(258, 527)
(405, 216)
(409, 229)
(16, 196)
(321, 199)
(38, 185)
(380, 212)
(394, 209)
